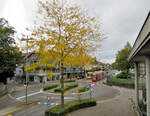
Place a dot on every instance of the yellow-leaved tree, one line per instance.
(64, 35)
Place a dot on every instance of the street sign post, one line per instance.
(48, 103)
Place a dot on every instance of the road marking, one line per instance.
(41, 90)
(92, 85)
(64, 98)
(14, 98)
(69, 98)
(28, 95)
(57, 103)
(52, 103)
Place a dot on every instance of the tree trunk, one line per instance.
(84, 72)
(62, 84)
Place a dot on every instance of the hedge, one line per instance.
(124, 75)
(83, 89)
(47, 87)
(121, 81)
(69, 80)
(70, 107)
(67, 87)
(124, 82)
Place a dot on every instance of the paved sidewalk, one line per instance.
(119, 106)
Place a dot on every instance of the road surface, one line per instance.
(39, 99)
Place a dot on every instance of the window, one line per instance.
(94, 76)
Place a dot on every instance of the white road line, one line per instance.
(41, 90)
(64, 98)
(57, 103)
(28, 95)
(69, 98)
(92, 85)
(52, 103)
(14, 98)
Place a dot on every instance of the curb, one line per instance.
(66, 94)
(60, 94)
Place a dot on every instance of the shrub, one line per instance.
(114, 79)
(124, 82)
(124, 75)
(142, 106)
(69, 107)
(83, 89)
(47, 87)
(67, 87)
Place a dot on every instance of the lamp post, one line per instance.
(27, 75)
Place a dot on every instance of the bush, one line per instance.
(47, 87)
(124, 82)
(83, 89)
(67, 87)
(70, 80)
(69, 107)
(115, 80)
(124, 75)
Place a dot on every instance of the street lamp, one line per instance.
(27, 74)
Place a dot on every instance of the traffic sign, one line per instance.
(48, 98)
(48, 104)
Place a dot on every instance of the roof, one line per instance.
(141, 40)
(31, 56)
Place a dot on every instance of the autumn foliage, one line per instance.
(64, 35)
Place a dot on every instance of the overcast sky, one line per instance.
(121, 20)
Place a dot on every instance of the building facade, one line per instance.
(140, 55)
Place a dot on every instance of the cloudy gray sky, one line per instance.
(121, 20)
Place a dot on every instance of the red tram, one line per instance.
(99, 76)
